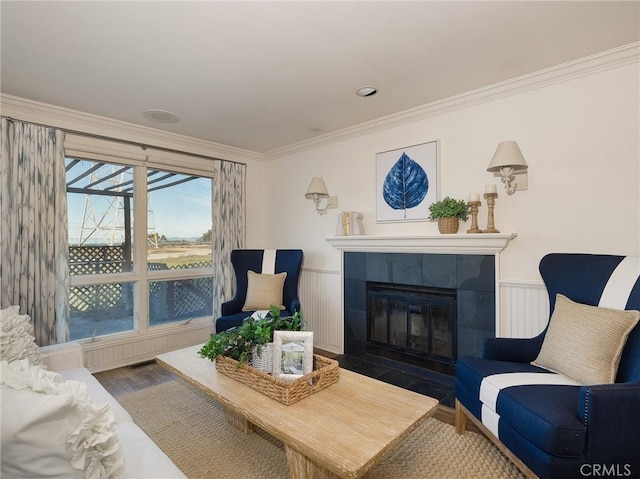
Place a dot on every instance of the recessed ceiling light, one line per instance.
(366, 91)
(161, 116)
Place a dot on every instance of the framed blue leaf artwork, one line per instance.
(406, 182)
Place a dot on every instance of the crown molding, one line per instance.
(51, 115)
(607, 60)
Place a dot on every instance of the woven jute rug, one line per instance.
(191, 429)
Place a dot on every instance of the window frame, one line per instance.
(141, 160)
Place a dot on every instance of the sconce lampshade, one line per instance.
(317, 187)
(507, 154)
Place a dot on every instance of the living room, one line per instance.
(569, 120)
(576, 121)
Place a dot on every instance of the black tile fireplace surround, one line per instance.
(471, 276)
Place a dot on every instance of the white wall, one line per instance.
(580, 138)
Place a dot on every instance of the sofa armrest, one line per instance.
(512, 349)
(610, 413)
(63, 356)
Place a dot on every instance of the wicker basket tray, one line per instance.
(325, 373)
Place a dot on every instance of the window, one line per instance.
(134, 271)
(179, 238)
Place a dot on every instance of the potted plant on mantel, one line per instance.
(448, 213)
(249, 339)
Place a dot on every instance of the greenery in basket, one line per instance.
(238, 343)
(449, 208)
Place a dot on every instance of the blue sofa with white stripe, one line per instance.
(265, 262)
(549, 425)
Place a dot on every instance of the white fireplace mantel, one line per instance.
(481, 243)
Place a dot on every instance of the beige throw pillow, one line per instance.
(585, 342)
(264, 290)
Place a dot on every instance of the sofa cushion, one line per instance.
(585, 342)
(264, 290)
(51, 429)
(16, 337)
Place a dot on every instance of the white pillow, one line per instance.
(50, 429)
(264, 291)
(16, 337)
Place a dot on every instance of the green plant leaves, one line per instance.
(238, 343)
(448, 208)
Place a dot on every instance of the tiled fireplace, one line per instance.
(469, 278)
(458, 274)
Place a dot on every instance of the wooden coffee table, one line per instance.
(340, 431)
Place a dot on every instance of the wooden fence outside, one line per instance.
(168, 300)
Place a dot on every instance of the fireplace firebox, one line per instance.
(412, 324)
(471, 309)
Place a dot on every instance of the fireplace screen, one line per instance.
(412, 323)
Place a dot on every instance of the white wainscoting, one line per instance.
(106, 353)
(321, 299)
(524, 308)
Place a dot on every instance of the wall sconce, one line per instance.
(507, 162)
(317, 191)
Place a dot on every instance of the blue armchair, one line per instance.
(261, 261)
(561, 430)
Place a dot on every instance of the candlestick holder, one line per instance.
(491, 202)
(473, 206)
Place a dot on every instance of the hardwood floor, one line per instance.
(140, 376)
(133, 378)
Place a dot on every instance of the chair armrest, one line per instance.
(512, 349)
(232, 306)
(294, 307)
(610, 413)
(63, 356)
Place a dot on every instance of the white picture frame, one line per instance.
(292, 354)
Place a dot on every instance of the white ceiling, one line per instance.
(264, 75)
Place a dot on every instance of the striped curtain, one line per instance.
(34, 267)
(228, 226)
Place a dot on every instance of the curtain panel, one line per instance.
(33, 205)
(228, 197)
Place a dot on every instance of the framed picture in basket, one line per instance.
(292, 354)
